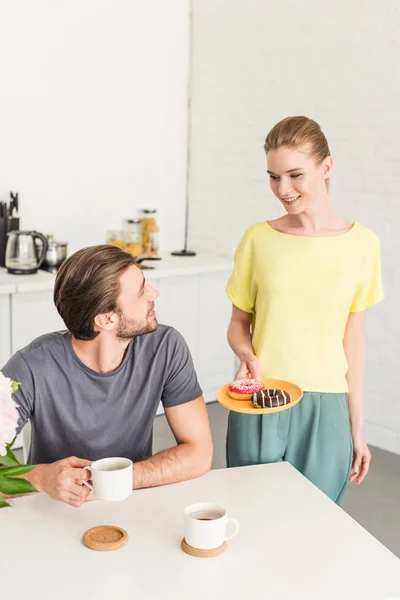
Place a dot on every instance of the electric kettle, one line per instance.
(22, 255)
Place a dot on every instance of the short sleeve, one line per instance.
(181, 383)
(18, 370)
(241, 288)
(369, 291)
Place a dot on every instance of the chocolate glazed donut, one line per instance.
(270, 398)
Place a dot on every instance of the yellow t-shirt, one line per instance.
(300, 291)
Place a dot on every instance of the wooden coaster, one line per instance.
(202, 553)
(105, 538)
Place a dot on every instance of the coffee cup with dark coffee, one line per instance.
(206, 526)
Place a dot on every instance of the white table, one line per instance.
(293, 543)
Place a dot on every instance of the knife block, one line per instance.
(3, 240)
(6, 225)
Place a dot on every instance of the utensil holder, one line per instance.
(3, 240)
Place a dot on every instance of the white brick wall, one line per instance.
(93, 115)
(255, 62)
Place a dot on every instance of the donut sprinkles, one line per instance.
(246, 386)
(270, 398)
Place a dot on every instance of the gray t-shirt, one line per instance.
(75, 411)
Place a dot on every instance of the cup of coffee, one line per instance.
(111, 478)
(206, 526)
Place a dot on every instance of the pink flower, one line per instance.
(8, 414)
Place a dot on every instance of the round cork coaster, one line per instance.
(105, 538)
(202, 553)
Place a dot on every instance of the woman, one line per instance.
(300, 289)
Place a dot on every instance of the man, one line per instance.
(93, 391)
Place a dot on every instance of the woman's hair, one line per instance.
(298, 131)
(87, 285)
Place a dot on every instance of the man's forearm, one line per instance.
(185, 461)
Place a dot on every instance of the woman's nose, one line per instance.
(284, 187)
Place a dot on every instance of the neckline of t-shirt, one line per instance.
(313, 237)
(91, 371)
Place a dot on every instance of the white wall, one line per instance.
(256, 62)
(93, 114)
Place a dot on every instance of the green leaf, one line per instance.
(14, 386)
(16, 471)
(10, 457)
(10, 445)
(3, 503)
(8, 462)
(9, 485)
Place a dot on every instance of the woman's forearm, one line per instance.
(239, 338)
(354, 346)
(355, 379)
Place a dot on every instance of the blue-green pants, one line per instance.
(314, 436)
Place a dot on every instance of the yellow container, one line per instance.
(149, 233)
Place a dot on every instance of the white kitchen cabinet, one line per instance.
(32, 315)
(178, 306)
(215, 360)
(199, 309)
(5, 329)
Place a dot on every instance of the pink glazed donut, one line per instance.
(243, 389)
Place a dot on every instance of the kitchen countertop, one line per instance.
(169, 266)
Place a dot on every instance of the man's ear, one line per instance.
(106, 321)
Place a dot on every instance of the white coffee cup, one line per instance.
(206, 526)
(111, 478)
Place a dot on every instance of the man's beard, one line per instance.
(128, 328)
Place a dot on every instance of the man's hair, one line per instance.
(87, 285)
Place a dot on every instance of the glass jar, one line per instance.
(116, 238)
(154, 241)
(149, 232)
(133, 237)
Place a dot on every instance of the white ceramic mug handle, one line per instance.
(89, 485)
(229, 537)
